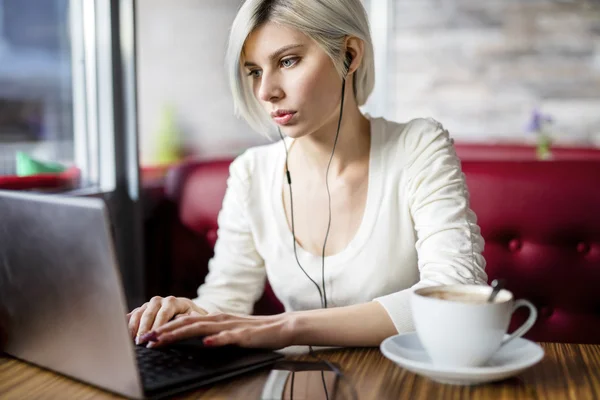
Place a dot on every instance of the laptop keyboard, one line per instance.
(164, 367)
(189, 363)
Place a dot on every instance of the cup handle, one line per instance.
(520, 331)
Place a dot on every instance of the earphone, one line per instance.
(323, 294)
(347, 64)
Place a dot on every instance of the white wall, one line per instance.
(181, 52)
(481, 67)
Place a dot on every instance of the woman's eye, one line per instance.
(255, 73)
(289, 62)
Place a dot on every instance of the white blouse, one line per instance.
(417, 230)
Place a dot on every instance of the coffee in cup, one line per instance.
(471, 298)
(459, 328)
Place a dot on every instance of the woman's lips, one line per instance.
(284, 119)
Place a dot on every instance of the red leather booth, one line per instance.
(540, 221)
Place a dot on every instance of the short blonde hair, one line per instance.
(327, 22)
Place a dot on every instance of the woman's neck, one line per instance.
(353, 142)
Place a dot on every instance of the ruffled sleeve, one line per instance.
(236, 276)
(449, 243)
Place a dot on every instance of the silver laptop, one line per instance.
(62, 305)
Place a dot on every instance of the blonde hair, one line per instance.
(327, 22)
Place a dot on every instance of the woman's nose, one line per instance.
(269, 90)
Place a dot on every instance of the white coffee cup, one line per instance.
(461, 329)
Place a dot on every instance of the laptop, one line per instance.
(62, 305)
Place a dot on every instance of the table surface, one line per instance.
(568, 371)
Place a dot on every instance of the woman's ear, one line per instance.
(347, 62)
(354, 53)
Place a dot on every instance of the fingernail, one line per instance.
(150, 336)
(208, 341)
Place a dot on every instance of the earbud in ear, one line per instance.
(348, 61)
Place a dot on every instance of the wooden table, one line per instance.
(568, 371)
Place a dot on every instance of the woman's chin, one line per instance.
(293, 131)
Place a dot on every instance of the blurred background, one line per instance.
(107, 95)
(481, 68)
(36, 100)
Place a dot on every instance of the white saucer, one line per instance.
(406, 351)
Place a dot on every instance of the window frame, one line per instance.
(106, 128)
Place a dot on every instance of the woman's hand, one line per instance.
(273, 331)
(159, 311)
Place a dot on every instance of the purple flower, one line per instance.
(537, 121)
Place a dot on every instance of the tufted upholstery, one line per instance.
(540, 221)
(541, 226)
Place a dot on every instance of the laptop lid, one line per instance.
(62, 305)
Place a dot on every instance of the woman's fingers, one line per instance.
(194, 329)
(156, 313)
(134, 318)
(192, 319)
(221, 330)
(148, 317)
(190, 327)
(167, 310)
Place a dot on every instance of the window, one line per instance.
(36, 101)
(68, 96)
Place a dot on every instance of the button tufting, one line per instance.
(514, 245)
(583, 247)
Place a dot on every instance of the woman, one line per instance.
(400, 216)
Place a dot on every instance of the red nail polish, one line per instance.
(208, 341)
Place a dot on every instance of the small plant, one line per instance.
(539, 124)
(168, 138)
